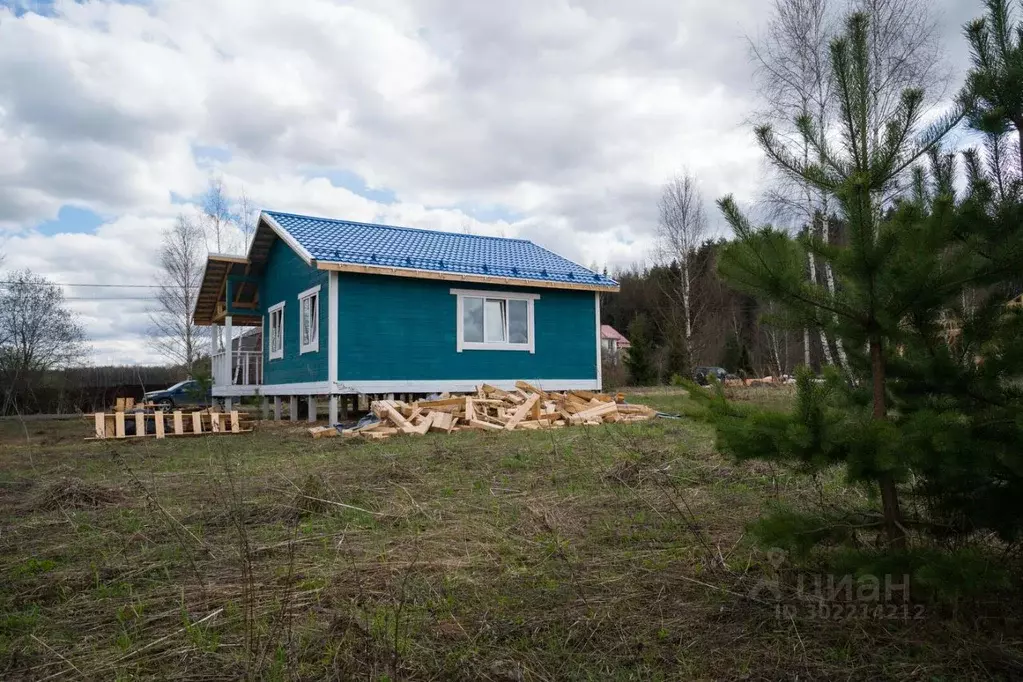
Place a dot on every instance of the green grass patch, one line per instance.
(618, 552)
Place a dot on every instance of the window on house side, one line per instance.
(277, 331)
(495, 320)
(309, 319)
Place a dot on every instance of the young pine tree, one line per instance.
(955, 389)
(640, 360)
(994, 86)
(887, 269)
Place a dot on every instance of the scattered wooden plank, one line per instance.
(236, 426)
(158, 419)
(520, 412)
(593, 412)
(323, 431)
(529, 388)
(424, 425)
(179, 423)
(441, 421)
(486, 426)
(119, 425)
(197, 422)
(101, 425)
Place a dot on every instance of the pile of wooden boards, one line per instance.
(160, 424)
(494, 409)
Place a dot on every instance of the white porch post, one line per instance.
(332, 410)
(228, 362)
(265, 408)
(214, 366)
(293, 408)
(277, 408)
(312, 408)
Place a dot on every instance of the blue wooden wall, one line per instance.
(399, 328)
(285, 277)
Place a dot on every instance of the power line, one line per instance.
(111, 286)
(111, 298)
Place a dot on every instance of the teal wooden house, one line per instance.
(348, 308)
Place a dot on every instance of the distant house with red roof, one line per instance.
(613, 344)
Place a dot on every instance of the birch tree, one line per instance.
(182, 260)
(796, 82)
(681, 228)
(216, 219)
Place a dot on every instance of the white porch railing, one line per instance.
(240, 368)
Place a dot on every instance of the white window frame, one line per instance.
(314, 345)
(279, 353)
(463, 345)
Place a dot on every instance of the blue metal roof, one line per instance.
(344, 241)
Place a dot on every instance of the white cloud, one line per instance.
(565, 117)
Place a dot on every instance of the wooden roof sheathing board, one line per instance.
(211, 300)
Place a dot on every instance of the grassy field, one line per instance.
(603, 553)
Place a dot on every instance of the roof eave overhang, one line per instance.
(208, 308)
(283, 234)
(460, 277)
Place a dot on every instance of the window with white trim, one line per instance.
(309, 320)
(276, 334)
(495, 320)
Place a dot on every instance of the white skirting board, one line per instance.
(400, 386)
(460, 385)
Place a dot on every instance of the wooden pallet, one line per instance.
(112, 425)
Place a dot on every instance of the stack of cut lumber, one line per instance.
(494, 409)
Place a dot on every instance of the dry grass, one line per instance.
(616, 552)
(70, 492)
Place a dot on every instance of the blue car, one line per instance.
(185, 393)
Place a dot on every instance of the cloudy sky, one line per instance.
(553, 120)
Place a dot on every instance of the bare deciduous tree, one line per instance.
(216, 217)
(247, 214)
(681, 228)
(38, 332)
(796, 84)
(182, 259)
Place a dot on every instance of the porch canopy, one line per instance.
(230, 284)
(228, 288)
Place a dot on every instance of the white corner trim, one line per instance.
(332, 329)
(286, 236)
(349, 386)
(600, 364)
(462, 345)
(521, 296)
(271, 353)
